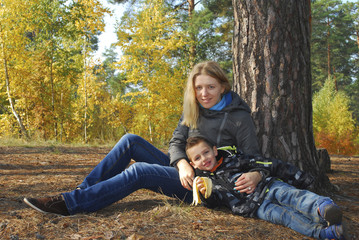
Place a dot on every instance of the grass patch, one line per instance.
(18, 142)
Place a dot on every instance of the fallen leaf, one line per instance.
(76, 236)
(135, 237)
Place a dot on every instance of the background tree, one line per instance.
(333, 48)
(114, 80)
(49, 33)
(88, 15)
(333, 123)
(352, 90)
(209, 25)
(149, 39)
(271, 48)
(334, 55)
(13, 23)
(214, 32)
(45, 68)
(111, 115)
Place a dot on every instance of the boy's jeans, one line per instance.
(294, 208)
(111, 181)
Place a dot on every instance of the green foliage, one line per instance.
(334, 51)
(333, 124)
(211, 29)
(114, 80)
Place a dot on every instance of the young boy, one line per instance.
(272, 200)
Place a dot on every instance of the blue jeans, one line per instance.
(111, 181)
(293, 208)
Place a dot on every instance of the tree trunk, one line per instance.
(53, 90)
(192, 48)
(271, 66)
(328, 49)
(12, 104)
(85, 86)
(7, 82)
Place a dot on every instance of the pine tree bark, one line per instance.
(271, 66)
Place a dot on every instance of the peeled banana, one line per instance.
(196, 195)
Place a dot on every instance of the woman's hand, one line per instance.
(186, 173)
(247, 182)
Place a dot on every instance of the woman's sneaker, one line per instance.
(55, 204)
(330, 212)
(333, 232)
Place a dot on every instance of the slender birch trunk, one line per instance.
(11, 102)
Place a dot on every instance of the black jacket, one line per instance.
(233, 165)
(233, 125)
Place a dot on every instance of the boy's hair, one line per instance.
(193, 141)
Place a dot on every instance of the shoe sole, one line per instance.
(33, 206)
(38, 209)
(333, 216)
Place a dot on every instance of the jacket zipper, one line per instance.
(221, 128)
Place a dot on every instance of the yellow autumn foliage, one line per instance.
(149, 40)
(55, 84)
(333, 123)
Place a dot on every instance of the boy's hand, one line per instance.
(200, 185)
(203, 185)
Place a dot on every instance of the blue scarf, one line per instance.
(225, 101)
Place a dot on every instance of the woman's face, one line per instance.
(208, 90)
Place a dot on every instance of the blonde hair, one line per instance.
(190, 103)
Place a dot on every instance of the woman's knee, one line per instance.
(139, 168)
(128, 140)
(152, 171)
(130, 137)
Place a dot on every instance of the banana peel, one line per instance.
(196, 195)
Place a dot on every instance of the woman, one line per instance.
(209, 108)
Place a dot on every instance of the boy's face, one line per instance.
(202, 156)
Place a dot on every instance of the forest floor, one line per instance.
(43, 171)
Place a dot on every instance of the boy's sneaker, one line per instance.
(55, 204)
(330, 212)
(333, 232)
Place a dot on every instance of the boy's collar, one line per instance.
(218, 164)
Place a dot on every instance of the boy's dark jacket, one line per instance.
(233, 165)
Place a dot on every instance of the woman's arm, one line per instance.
(186, 173)
(177, 144)
(247, 182)
(178, 157)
